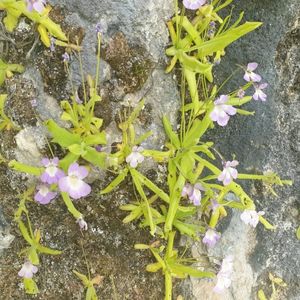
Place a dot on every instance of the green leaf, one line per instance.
(245, 112)
(46, 250)
(17, 166)
(122, 175)
(151, 186)
(239, 101)
(83, 278)
(194, 65)
(25, 233)
(30, 286)
(77, 150)
(221, 41)
(147, 212)
(71, 208)
(298, 233)
(33, 256)
(170, 133)
(95, 139)
(11, 21)
(153, 267)
(261, 295)
(96, 158)
(198, 128)
(62, 136)
(179, 268)
(67, 161)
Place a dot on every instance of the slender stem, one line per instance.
(168, 286)
(82, 76)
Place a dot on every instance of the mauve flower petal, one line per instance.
(247, 77)
(255, 77)
(83, 172)
(230, 110)
(227, 178)
(223, 120)
(45, 162)
(83, 190)
(233, 173)
(263, 86)
(140, 158)
(193, 4)
(252, 66)
(55, 161)
(221, 177)
(73, 168)
(133, 163)
(38, 6)
(214, 115)
(63, 184)
(129, 157)
(233, 163)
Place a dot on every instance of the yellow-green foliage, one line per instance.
(6, 70)
(46, 27)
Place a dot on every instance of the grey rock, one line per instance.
(5, 237)
(267, 141)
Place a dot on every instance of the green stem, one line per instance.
(71, 208)
(168, 286)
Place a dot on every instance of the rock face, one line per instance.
(134, 39)
(268, 141)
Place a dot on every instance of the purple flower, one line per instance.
(99, 148)
(82, 224)
(73, 183)
(211, 237)
(240, 93)
(251, 217)
(44, 194)
(193, 192)
(212, 29)
(66, 57)
(101, 27)
(52, 44)
(222, 112)
(135, 157)
(27, 270)
(38, 5)
(224, 275)
(193, 4)
(52, 173)
(33, 102)
(259, 94)
(229, 172)
(250, 75)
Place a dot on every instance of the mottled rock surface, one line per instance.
(134, 39)
(268, 141)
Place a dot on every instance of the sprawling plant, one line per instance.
(200, 184)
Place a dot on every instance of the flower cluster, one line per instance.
(53, 176)
(222, 110)
(224, 275)
(250, 76)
